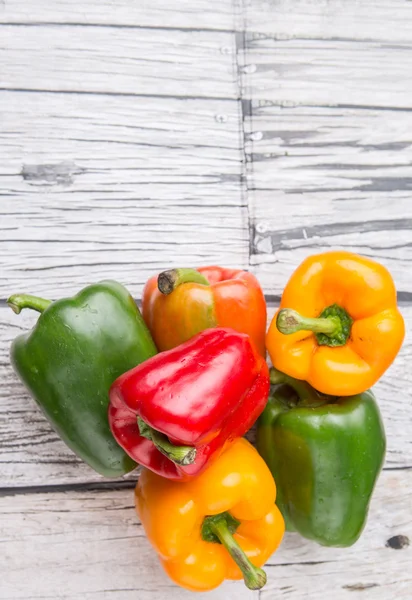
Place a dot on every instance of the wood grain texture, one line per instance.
(327, 145)
(112, 60)
(31, 454)
(379, 20)
(136, 185)
(118, 170)
(322, 178)
(90, 545)
(333, 72)
(158, 14)
(382, 20)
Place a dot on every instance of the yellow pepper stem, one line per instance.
(332, 327)
(181, 455)
(170, 280)
(219, 529)
(19, 301)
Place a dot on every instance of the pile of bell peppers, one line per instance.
(175, 388)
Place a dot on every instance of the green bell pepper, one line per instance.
(68, 362)
(325, 454)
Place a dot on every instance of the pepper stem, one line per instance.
(19, 301)
(289, 321)
(181, 455)
(222, 527)
(332, 327)
(302, 388)
(170, 280)
(308, 396)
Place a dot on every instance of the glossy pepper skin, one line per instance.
(325, 454)
(179, 523)
(180, 303)
(351, 329)
(178, 410)
(68, 362)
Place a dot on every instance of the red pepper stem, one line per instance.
(255, 578)
(289, 321)
(170, 280)
(181, 455)
(19, 301)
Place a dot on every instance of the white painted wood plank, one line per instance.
(32, 455)
(382, 20)
(202, 14)
(322, 178)
(118, 61)
(90, 545)
(385, 20)
(96, 188)
(370, 569)
(83, 545)
(327, 72)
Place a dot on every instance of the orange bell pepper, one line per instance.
(222, 525)
(338, 326)
(180, 303)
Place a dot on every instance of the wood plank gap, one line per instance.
(114, 94)
(115, 26)
(97, 486)
(289, 104)
(245, 107)
(127, 484)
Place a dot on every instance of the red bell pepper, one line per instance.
(181, 408)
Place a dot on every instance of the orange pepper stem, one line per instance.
(220, 529)
(19, 301)
(331, 328)
(181, 455)
(170, 280)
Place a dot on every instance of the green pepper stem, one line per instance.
(181, 455)
(289, 321)
(19, 301)
(332, 327)
(255, 578)
(307, 394)
(170, 280)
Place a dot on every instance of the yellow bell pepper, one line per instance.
(222, 525)
(338, 326)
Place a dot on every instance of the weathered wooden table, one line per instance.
(142, 134)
